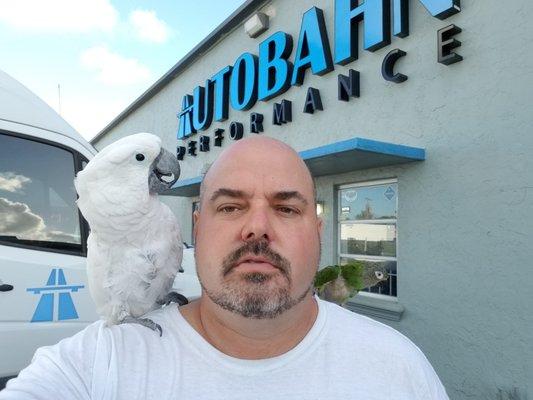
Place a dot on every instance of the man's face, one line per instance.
(257, 234)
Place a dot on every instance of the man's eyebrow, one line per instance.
(290, 194)
(227, 192)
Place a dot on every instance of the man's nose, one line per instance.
(257, 225)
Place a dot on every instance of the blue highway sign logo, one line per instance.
(56, 285)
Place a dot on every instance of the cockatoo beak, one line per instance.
(164, 172)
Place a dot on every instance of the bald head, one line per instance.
(266, 156)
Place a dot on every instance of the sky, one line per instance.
(102, 53)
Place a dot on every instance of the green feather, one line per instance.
(326, 275)
(353, 275)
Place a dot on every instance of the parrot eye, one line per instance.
(379, 274)
(139, 157)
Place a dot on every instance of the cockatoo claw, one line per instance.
(173, 297)
(144, 322)
(158, 327)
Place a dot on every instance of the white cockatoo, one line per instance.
(134, 247)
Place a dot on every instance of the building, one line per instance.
(420, 144)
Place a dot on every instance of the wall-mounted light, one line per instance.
(319, 208)
(256, 24)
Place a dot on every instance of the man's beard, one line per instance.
(249, 294)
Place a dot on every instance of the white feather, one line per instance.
(135, 246)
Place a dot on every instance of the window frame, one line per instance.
(374, 182)
(84, 226)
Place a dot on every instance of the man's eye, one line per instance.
(227, 209)
(287, 210)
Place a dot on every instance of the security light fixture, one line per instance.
(256, 24)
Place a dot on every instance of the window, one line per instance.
(37, 196)
(367, 218)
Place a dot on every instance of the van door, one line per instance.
(43, 285)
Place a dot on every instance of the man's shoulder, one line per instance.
(80, 346)
(97, 341)
(350, 327)
(99, 332)
(349, 320)
(379, 347)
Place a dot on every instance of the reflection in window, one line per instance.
(37, 195)
(368, 203)
(367, 228)
(368, 239)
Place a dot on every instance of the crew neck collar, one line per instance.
(251, 367)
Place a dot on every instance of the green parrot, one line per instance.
(337, 283)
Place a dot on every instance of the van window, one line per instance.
(37, 195)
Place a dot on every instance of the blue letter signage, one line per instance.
(202, 114)
(274, 68)
(221, 79)
(243, 83)
(440, 9)
(186, 126)
(376, 14)
(271, 73)
(313, 47)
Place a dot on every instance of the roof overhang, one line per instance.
(335, 158)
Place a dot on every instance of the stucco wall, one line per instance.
(465, 214)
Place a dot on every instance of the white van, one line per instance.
(43, 238)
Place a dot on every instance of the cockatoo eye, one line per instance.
(139, 157)
(379, 274)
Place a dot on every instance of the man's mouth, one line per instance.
(256, 257)
(255, 263)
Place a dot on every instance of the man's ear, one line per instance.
(195, 218)
(319, 226)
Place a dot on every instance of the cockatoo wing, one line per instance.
(130, 276)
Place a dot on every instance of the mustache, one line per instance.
(257, 247)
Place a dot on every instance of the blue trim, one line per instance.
(373, 146)
(61, 278)
(52, 278)
(335, 158)
(66, 309)
(45, 309)
(187, 182)
(74, 288)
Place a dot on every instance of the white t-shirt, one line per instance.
(344, 356)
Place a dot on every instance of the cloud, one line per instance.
(114, 69)
(59, 16)
(12, 182)
(58, 236)
(19, 220)
(148, 27)
(92, 107)
(103, 110)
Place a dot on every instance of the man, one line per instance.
(257, 332)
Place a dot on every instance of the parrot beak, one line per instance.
(164, 172)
